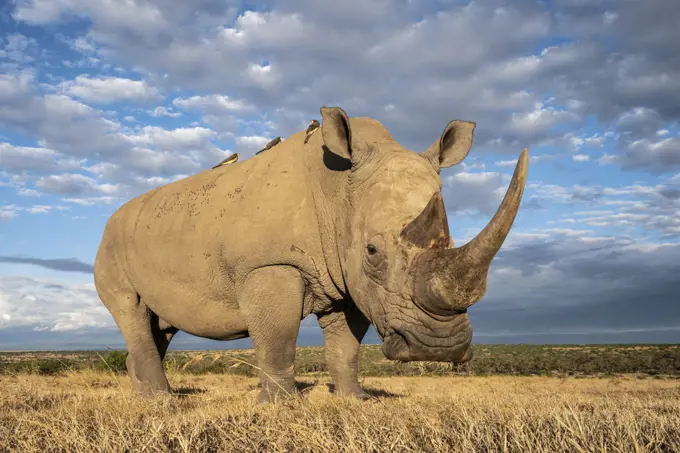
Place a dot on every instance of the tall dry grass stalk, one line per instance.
(90, 411)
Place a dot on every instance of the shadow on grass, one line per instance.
(373, 392)
(186, 391)
(304, 386)
(380, 393)
(300, 387)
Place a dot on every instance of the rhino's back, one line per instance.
(197, 238)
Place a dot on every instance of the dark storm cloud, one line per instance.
(58, 264)
(580, 285)
(27, 338)
(670, 193)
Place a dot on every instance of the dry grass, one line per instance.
(90, 411)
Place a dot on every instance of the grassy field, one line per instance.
(509, 398)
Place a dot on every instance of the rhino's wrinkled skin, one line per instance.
(349, 226)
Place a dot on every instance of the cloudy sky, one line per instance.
(101, 101)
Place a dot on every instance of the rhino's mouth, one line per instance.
(402, 344)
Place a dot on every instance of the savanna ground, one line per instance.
(508, 398)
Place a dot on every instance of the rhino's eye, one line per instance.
(371, 249)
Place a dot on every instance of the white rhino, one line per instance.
(349, 226)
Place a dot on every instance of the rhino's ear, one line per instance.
(453, 145)
(336, 132)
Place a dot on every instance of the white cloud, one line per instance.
(50, 304)
(180, 138)
(654, 208)
(83, 45)
(473, 193)
(214, 103)
(581, 157)
(16, 159)
(39, 209)
(8, 212)
(506, 163)
(15, 84)
(130, 15)
(110, 89)
(83, 63)
(57, 121)
(28, 192)
(578, 142)
(75, 136)
(275, 58)
(91, 201)
(532, 160)
(497, 75)
(609, 17)
(658, 154)
(74, 184)
(18, 48)
(163, 111)
(253, 141)
(542, 118)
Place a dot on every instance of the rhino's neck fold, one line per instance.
(327, 178)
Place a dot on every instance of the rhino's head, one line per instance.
(398, 259)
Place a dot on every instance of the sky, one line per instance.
(101, 101)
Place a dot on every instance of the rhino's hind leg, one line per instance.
(271, 303)
(343, 330)
(162, 333)
(144, 343)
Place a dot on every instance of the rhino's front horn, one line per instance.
(451, 279)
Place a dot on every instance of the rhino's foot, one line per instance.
(272, 394)
(265, 396)
(141, 387)
(361, 395)
(148, 392)
(147, 389)
(352, 392)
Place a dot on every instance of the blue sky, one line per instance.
(100, 102)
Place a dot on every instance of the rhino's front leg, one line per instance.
(271, 302)
(343, 331)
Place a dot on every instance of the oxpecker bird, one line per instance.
(313, 126)
(269, 145)
(229, 160)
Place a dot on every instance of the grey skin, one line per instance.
(350, 226)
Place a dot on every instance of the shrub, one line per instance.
(112, 361)
(52, 366)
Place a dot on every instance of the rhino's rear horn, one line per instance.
(430, 229)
